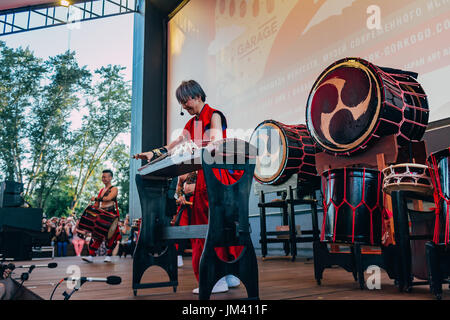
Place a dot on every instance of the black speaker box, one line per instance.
(26, 218)
(9, 200)
(10, 194)
(11, 187)
(16, 243)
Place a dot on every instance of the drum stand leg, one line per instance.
(354, 262)
(143, 259)
(151, 249)
(212, 269)
(355, 266)
(319, 256)
(228, 218)
(364, 261)
(324, 259)
(434, 264)
(292, 230)
(288, 244)
(263, 234)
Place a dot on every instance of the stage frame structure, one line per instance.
(53, 14)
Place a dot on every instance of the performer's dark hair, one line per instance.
(108, 171)
(189, 89)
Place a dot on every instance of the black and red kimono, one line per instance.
(198, 129)
(95, 242)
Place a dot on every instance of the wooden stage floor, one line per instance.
(279, 279)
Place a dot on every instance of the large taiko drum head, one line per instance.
(284, 150)
(354, 102)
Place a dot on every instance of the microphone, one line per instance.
(113, 280)
(181, 111)
(51, 265)
(10, 266)
(109, 280)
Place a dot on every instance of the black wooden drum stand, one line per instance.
(438, 261)
(228, 226)
(287, 205)
(406, 256)
(314, 234)
(324, 259)
(355, 261)
(151, 248)
(438, 251)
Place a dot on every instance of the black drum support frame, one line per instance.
(228, 226)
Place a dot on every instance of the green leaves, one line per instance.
(38, 144)
(20, 74)
(109, 115)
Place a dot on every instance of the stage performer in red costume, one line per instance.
(206, 125)
(106, 200)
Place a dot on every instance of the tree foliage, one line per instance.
(20, 76)
(109, 115)
(61, 165)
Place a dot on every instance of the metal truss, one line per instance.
(54, 14)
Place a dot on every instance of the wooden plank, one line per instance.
(173, 166)
(280, 279)
(185, 232)
(386, 145)
(387, 204)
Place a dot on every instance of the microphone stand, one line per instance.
(77, 287)
(67, 296)
(24, 277)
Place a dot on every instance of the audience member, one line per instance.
(62, 237)
(78, 240)
(64, 231)
(125, 244)
(49, 228)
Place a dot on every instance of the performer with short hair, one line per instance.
(206, 125)
(106, 200)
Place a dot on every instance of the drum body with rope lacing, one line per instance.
(354, 102)
(353, 203)
(284, 150)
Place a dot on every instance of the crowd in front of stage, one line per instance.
(63, 233)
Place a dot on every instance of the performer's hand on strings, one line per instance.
(181, 201)
(151, 155)
(143, 155)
